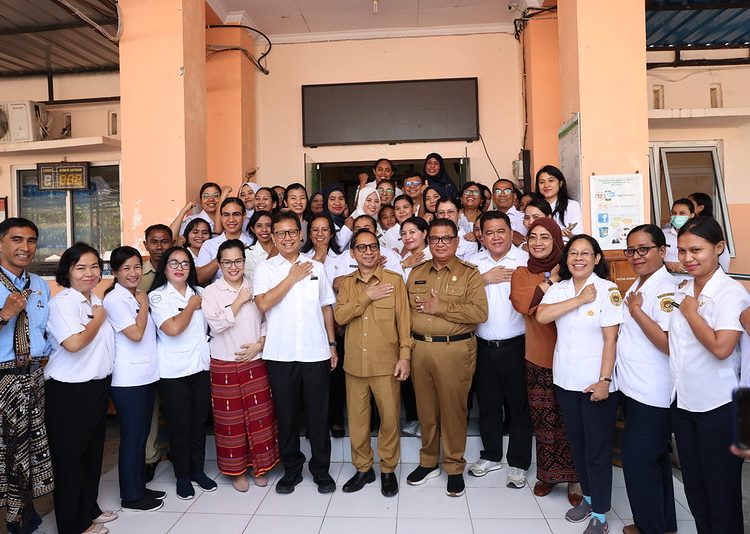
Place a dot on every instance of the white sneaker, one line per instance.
(482, 467)
(411, 428)
(516, 477)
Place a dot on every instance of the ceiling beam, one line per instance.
(46, 72)
(54, 27)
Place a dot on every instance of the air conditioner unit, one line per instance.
(23, 121)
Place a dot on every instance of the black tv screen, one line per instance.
(390, 112)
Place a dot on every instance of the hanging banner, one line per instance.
(616, 207)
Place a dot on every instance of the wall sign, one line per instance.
(616, 207)
(63, 175)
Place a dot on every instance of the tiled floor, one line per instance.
(488, 506)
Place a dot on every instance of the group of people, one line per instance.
(274, 313)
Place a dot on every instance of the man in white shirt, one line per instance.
(447, 208)
(500, 377)
(299, 352)
(504, 197)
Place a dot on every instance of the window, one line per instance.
(680, 169)
(65, 217)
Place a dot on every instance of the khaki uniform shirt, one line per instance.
(462, 301)
(378, 332)
(147, 278)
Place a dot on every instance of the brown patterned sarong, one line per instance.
(25, 461)
(554, 459)
(244, 417)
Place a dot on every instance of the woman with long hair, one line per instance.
(551, 184)
(259, 230)
(267, 199)
(134, 375)
(244, 419)
(472, 204)
(320, 244)
(527, 288)
(195, 234)
(587, 310)
(182, 348)
(430, 198)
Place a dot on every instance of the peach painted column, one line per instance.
(163, 110)
(603, 76)
(543, 117)
(230, 106)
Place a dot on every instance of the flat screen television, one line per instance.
(390, 112)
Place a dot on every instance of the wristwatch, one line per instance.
(547, 279)
(3, 322)
(332, 343)
(605, 379)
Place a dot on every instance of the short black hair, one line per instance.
(445, 223)
(17, 222)
(116, 260)
(494, 215)
(704, 227)
(403, 197)
(655, 233)
(163, 228)
(363, 231)
(541, 204)
(333, 243)
(601, 269)
(207, 185)
(230, 243)
(254, 220)
(160, 278)
(293, 187)
(443, 200)
(685, 202)
(285, 216)
(70, 257)
(232, 200)
(704, 200)
(192, 224)
(369, 219)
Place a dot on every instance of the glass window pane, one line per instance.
(47, 209)
(96, 211)
(690, 172)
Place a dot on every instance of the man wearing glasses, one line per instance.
(447, 300)
(504, 198)
(232, 213)
(300, 350)
(373, 303)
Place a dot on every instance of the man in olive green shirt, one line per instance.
(373, 304)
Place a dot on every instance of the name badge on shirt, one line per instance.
(419, 282)
(39, 304)
(313, 277)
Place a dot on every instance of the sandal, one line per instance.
(96, 528)
(105, 517)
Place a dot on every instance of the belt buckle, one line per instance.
(428, 339)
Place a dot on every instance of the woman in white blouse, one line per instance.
(76, 391)
(587, 310)
(244, 419)
(704, 360)
(134, 376)
(320, 245)
(414, 238)
(182, 348)
(551, 184)
(259, 229)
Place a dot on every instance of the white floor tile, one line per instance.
(346, 525)
(367, 502)
(305, 501)
(621, 504)
(210, 447)
(171, 503)
(191, 523)
(493, 479)
(618, 478)
(502, 503)
(683, 513)
(427, 502)
(284, 524)
(518, 526)
(686, 527)
(113, 475)
(433, 525)
(227, 500)
(143, 522)
(109, 496)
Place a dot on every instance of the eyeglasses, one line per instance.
(283, 233)
(183, 265)
(381, 190)
(585, 254)
(239, 262)
(206, 196)
(412, 183)
(445, 240)
(642, 251)
(506, 191)
(472, 193)
(362, 247)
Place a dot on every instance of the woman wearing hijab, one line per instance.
(437, 177)
(334, 204)
(527, 287)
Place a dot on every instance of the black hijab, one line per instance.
(338, 220)
(441, 183)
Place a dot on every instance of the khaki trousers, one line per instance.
(442, 373)
(387, 393)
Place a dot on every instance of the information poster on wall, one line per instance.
(616, 207)
(569, 148)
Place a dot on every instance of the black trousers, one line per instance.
(500, 378)
(590, 427)
(298, 386)
(75, 418)
(409, 398)
(337, 388)
(712, 475)
(186, 401)
(648, 467)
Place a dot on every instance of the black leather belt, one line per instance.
(442, 339)
(500, 343)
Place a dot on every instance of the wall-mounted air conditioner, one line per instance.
(23, 121)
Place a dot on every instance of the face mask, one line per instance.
(678, 221)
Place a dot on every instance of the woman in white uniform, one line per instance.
(321, 245)
(259, 229)
(403, 207)
(76, 391)
(414, 238)
(134, 376)
(587, 310)
(196, 233)
(704, 360)
(642, 373)
(551, 183)
(182, 348)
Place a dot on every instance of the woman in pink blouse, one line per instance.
(244, 419)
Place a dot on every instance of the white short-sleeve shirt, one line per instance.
(466, 249)
(745, 356)
(516, 220)
(186, 353)
(254, 254)
(573, 214)
(136, 362)
(407, 270)
(343, 236)
(577, 359)
(202, 215)
(641, 369)
(211, 247)
(295, 329)
(330, 264)
(670, 234)
(503, 321)
(346, 264)
(393, 237)
(69, 312)
(703, 382)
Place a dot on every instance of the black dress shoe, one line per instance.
(287, 483)
(388, 484)
(325, 484)
(358, 481)
(337, 431)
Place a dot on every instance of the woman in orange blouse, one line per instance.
(528, 285)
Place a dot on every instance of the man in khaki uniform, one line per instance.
(448, 300)
(373, 304)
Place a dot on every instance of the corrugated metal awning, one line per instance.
(694, 24)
